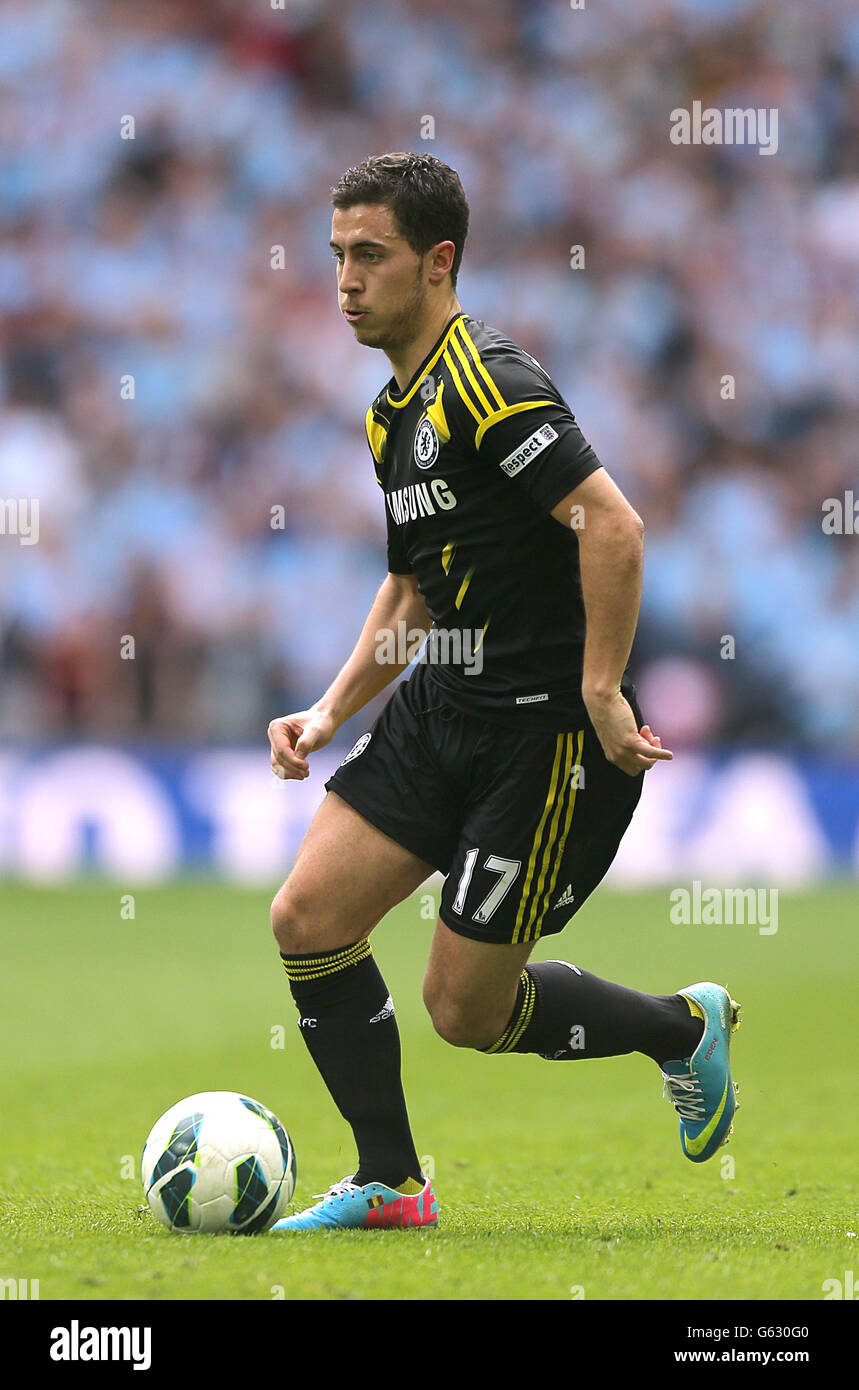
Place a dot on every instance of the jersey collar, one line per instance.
(398, 399)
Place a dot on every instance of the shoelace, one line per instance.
(339, 1189)
(685, 1095)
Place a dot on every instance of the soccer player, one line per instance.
(511, 760)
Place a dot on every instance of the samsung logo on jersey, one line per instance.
(420, 499)
(515, 462)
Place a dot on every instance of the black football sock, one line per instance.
(562, 1013)
(346, 1017)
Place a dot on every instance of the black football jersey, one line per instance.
(472, 456)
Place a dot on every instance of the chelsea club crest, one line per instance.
(426, 443)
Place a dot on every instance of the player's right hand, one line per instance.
(293, 737)
(631, 749)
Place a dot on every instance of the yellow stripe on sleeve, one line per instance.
(504, 414)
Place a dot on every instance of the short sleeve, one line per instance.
(533, 439)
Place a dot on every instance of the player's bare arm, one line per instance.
(611, 550)
(294, 736)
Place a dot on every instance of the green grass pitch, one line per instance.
(554, 1180)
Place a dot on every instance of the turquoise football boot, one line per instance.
(346, 1206)
(700, 1086)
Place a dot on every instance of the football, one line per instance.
(218, 1161)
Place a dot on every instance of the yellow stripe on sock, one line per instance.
(517, 1025)
(301, 968)
(527, 1011)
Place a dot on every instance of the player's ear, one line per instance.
(441, 259)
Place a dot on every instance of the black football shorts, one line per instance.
(524, 824)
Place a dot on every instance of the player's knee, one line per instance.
(458, 1023)
(305, 922)
(292, 922)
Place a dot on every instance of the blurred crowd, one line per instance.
(164, 389)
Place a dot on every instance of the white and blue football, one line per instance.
(218, 1161)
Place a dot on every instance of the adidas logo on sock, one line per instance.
(566, 897)
(386, 1012)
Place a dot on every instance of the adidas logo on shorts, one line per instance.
(567, 897)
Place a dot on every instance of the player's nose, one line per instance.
(349, 282)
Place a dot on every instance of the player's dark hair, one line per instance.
(425, 195)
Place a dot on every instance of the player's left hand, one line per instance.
(631, 749)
